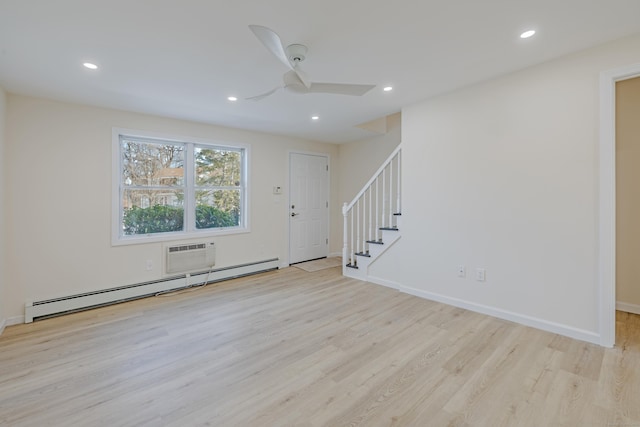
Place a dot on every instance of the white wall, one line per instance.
(59, 200)
(359, 160)
(503, 175)
(3, 206)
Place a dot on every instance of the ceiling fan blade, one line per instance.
(296, 77)
(303, 77)
(340, 89)
(264, 95)
(272, 42)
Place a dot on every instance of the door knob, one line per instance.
(294, 214)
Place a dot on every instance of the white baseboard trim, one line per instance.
(15, 320)
(556, 328)
(629, 308)
(384, 282)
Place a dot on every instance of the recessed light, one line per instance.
(90, 65)
(232, 98)
(387, 89)
(315, 117)
(527, 34)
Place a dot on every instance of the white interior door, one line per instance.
(308, 207)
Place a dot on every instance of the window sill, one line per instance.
(169, 237)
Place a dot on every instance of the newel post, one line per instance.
(345, 238)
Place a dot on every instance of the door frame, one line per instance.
(288, 176)
(607, 200)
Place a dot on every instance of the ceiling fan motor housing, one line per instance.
(296, 52)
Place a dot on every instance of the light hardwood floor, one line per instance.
(292, 348)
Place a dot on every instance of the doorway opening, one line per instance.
(607, 202)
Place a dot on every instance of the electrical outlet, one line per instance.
(462, 271)
(481, 274)
(149, 265)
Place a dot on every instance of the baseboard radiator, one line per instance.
(38, 310)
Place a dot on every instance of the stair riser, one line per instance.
(389, 238)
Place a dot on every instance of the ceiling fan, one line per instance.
(295, 80)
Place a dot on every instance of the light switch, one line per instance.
(462, 271)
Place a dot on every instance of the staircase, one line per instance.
(372, 219)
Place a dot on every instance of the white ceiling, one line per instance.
(183, 58)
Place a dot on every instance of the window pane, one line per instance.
(152, 211)
(217, 208)
(217, 167)
(146, 163)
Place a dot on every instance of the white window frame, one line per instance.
(190, 232)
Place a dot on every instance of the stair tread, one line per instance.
(377, 242)
(398, 214)
(389, 228)
(363, 254)
(352, 266)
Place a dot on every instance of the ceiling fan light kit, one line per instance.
(295, 80)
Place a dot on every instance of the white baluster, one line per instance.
(370, 227)
(352, 232)
(391, 193)
(364, 220)
(384, 193)
(398, 206)
(358, 226)
(376, 231)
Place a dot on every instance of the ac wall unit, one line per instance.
(190, 257)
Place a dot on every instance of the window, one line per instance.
(166, 188)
